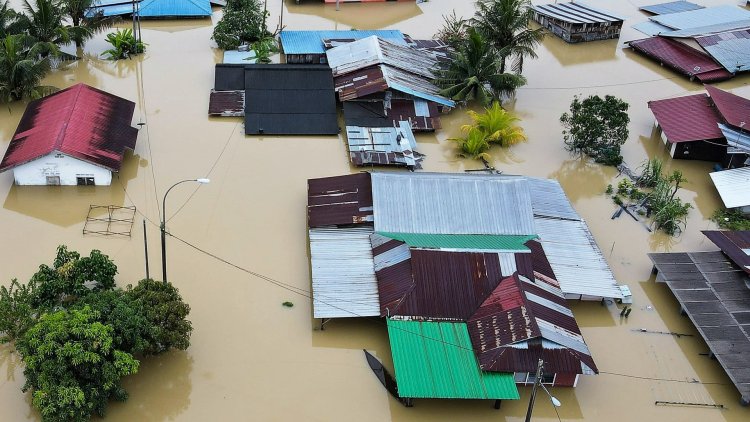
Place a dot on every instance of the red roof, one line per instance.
(80, 121)
(339, 200)
(733, 108)
(685, 119)
(733, 244)
(682, 58)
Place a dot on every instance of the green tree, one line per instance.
(596, 127)
(244, 22)
(88, 25)
(71, 366)
(126, 317)
(474, 144)
(498, 125)
(166, 314)
(473, 73)
(8, 21)
(22, 69)
(124, 45)
(454, 30)
(505, 24)
(44, 22)
(17, 314)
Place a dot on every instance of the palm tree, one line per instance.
(8, 21)
(45, 24)
(473, 73)
(474, 145)
(505, 24)
(498, 125)
(22, 69)
(76, 11)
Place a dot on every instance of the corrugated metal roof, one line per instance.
(373, 50)
(83, 122)
(383, 145)
(226, 103)
(734, 109)
(435, 360)
(703, 17)
(239, 57)
(686, 119)
(343, 275)
(670, 7)
(339, 200)
(117, 8)
(378, 78)
(575, 258)
(434, 203)
(464, 242)
(577, 13)
(175, 8)
(289, 99)
(681, 58)
(731, 49)
(734, 244)
(707, 29)
(651, 28)
(423, 116)
(549, 200)
(738, 140)
(311, 42)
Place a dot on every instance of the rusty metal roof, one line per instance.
(339, 200)
(423, 116)
(734, 109)
(373, 50)
(226, 103)
(734, 244)
(681, 58)
(522, 320)
(379, 78)
(686, 119)
(383, 146)
(81, 121)
(731, 49)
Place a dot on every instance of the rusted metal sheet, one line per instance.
(734, 244)
(226, 103)
(373, 50)
(394, 146)
(339, 200)
(734, 109)
(423, 116)
(681, 58)
(688, 118)
(360, 83)
(378, 78)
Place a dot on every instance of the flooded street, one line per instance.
(253, 359)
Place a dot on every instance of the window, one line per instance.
(85, 180)
(527, 378)
(53, 180)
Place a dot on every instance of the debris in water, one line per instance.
(288, 304)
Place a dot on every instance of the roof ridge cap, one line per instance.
(61, 136)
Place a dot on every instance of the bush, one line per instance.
(124, 45)
(731, 220)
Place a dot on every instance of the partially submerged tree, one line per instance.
(454, 31)
(88, 24)
(498, 125)
(473, 73)
(22, 69)
(44, 21)
(474, 144)
(244, 22)
(124, 45)
(505, 25)
(596, 127)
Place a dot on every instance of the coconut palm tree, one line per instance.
(45, 23)
(8, 21)
(505, 24)
(473, 73)
(474, 145)
(498, 125)
(22, 69)
(76, 11)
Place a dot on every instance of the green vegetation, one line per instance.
(78, 335)
(731, 220)
(596, 127)
(494, 126)
(244, 22)
(124, 45)
(22, 69)
(87, 26)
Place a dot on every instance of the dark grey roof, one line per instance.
(229, 77)
(285, 99)
(671, 7)
(366, 113)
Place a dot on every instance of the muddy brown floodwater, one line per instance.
(251, 358)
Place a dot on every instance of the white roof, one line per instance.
(733, 186)
(373, 50)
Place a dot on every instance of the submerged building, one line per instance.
(577, 22)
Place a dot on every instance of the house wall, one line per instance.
(58, 164)
(574, 33)
(558, 379)
(699, 150)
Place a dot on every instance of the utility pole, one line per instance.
(537, 382)
(145, 248)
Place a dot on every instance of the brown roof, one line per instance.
(682, 58)
(226, 103)
(339, 200)
(734, 109)
(734, 244)
(685, 119)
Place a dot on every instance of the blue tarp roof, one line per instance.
(311, 42)
(175, 8)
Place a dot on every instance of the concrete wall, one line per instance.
(57, 164)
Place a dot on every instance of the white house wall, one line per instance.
(57, 164)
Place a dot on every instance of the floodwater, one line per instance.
(253, 359)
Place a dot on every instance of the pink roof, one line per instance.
(685, 119)
(734, 109)
(682, 58)
(80, 121)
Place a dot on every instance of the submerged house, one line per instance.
(77, 136)
(577, 22)
(709, 127)
(734, 187)
(713, 290)
(180, 9)
(309, 47)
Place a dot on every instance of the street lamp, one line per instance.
(553, 399)
(164, 224)
(537, 384)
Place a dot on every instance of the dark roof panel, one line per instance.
(681, 58)
(734, 109)
(229, 77)
(339, 200)
(685, 119)
(735, 244)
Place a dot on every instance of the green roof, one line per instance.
(435, 360)
(481, 242)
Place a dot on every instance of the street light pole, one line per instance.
(163, 224)
(537, 382)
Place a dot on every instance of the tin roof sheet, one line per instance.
(435, 360)
(670, 7)
(339, 200)
(707, 29)
(378, 78)
(734, 244)
(576, 259)
(464, 242)
(577, 13)
(175, 8)
(681, 58)
(311, 42)
(738, 140)
(686, 119)
(226, 103)
(81, 121)
(423, 116)
(549, 200)
(702, 17)
(343, 275)
(383, 145)
(730, 49)
(733, 186)
(114, 9)
(373, 51)
(651, 28)
(734, 109)
(434, 203)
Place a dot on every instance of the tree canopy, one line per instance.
(244, 21)
(596, 127)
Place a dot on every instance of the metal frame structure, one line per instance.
(118, 220)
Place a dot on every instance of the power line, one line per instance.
(597, 86)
